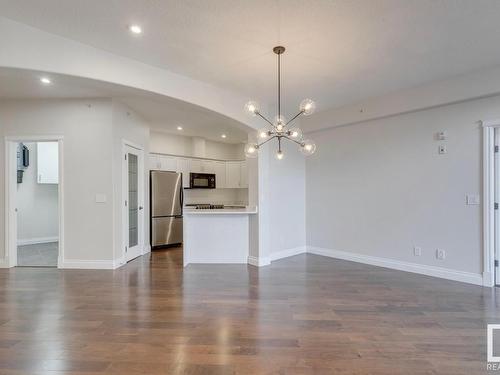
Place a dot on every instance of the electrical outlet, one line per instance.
(440, 254)
(417, 251)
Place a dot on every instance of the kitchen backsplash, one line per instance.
(216, 196)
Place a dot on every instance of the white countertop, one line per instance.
(221, 211)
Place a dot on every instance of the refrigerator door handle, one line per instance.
(182, 197)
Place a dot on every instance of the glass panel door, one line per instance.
(133, 199)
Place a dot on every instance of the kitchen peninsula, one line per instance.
(217, 235)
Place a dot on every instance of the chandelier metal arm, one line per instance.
(294, 117)
(267, 140)
(292, 140)
(265, 119)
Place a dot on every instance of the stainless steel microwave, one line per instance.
(202, 181)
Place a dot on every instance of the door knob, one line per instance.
(140, 207)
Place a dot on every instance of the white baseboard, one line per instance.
(259, 262)
(34, 241)
(444, 273)
(117, 263)
(89, 264)
(4, 263)
(287, 253)
(147, 249)
(488, 279)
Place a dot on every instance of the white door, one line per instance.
(497, 210)
(133, 188)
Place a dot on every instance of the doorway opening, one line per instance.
(34, 202)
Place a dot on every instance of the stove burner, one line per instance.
(209, 206)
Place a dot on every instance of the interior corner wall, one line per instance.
(127, 126)
(87, 131)
(379, 188)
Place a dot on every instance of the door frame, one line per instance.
(141, 198)
(10, 143)
(491, 235)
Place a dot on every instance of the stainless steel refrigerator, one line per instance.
(166, 208)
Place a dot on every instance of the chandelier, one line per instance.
(280, 128)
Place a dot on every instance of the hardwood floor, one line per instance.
(301, 315)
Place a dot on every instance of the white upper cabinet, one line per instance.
(220, 174)
(195, 166)
(168, 163)
(47, 162)
(228, 174)
(243, 174)
(183, 167)
(233, 174)
(208, 166)
(154, 162)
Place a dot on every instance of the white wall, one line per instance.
(166, 143)
(286, 189)
(170, 144)
(37, 205)
(378, 188)
(86, 127)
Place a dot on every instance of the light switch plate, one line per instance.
(472, 199)
(100, 198)
(442, 135)
(442, 149)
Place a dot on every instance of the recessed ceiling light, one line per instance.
(135, 29)
(179, 128)
(223, 136)
(45, 81)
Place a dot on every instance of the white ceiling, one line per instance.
(338, 52)
(163, 113)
